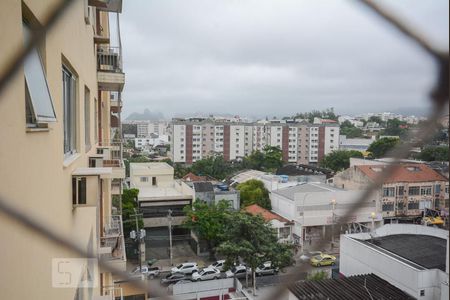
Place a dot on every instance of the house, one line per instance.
(414, 258)
(160, 195)
(282, 225)
(316, 207)
(405, 193)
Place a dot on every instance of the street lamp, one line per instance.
(333, 207)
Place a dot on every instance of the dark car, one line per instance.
(173, 278)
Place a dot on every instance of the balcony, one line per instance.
(112, 243)
(109, 69)
(107, 5)
(116, 105)
(109, 156)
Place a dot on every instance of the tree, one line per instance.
(129, 207)
(270, 159)
(438, 153)
(251, 239)
(207, 221)
(253, 191)
(273, 158)
(382, 146)
(215, 166)
(349, 130)
(325, 114)
(376, 119)
(254, 161)
(395, 127)
(339, 160)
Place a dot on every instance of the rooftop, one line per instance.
(403, 173)
(267, 215)
(426, 251)
(359, 287)
(294, 170)
(203, 187)
(153, 166)
(289, 192)
(147, 193)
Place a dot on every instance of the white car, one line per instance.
(238, 272)
(206, 274)
(146, 271)
(219, 265)
(185, 268)
(266, 269)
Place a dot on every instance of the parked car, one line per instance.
(173, 278)
(238, 271)
(146, 271)
(323, 260)
(219, 265)
(266, 269)
(206, 274)
(185, 268)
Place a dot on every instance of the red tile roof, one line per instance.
(267, 215)
(192, 177)
(403, 173)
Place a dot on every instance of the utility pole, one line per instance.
(333, 207)
(169, 216)
(138, 236)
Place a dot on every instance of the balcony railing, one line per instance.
(113, 238)
(109, 59)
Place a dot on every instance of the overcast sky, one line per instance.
(275, 58)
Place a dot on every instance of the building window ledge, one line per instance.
(37, 129)
(70, 159)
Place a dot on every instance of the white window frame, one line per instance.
(69, 112)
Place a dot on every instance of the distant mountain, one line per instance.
(412, 111)
(147, 115)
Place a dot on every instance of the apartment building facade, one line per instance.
(300, 142)
(405, 194)
(146, 128)
(59, 162)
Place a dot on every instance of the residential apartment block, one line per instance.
(300, 142)
(146, 128)
(407, 191)
(59, 162)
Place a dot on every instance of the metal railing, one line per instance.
(109, 59)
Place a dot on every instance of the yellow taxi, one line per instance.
(323, 260)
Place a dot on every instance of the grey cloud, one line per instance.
(274, 57)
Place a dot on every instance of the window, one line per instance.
(389, 192)
(400, 190)
(153, 180)
(388, 207)
(144, 179)
(69, 106)
(425, 190)
(78, 190)
(413, 205)
(39, 104)
(87, 119)
(414, 190)
(437, 189)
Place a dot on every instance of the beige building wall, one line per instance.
(35, 176)
(162, 172)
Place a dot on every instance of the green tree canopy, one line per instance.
(349, 130)
(339, 160)
(382, 146)
(434, 153)
(270, 159)
(207, 221)
(253, 191)
(129, 207)
(394, 128)
(251, 239)
(324, 114)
